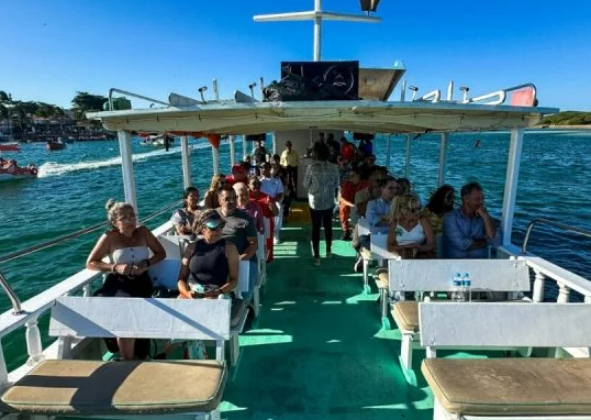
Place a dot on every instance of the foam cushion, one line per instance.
(511, 386)
(94, 387)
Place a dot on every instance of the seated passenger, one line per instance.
(128, 247)
(209, 267)
(410, 236)
(239, 174)
(370, 192)
(347, 194)
(404, 186)
(378, 217)
(270, 210)
(468, 229)
(183, 219)
(251, 207)
(211, 196)
(241, 231)
(440, 203)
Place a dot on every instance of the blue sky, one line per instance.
(51, 49)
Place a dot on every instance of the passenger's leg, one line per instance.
(327, 222)
(126, 348)
(316, 223)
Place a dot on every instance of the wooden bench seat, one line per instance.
(94, 387)
(497, 387)
(507, 388)
(410, 276)
(78, 387)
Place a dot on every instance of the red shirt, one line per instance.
(348, 152)
(348, 190)
(263, 200)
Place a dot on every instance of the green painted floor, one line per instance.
(317, 350)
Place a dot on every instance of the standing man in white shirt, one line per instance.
(272, 186)
(322, 182)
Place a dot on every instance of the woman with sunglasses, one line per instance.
(209, 267)
(409, 234)
(127, 247)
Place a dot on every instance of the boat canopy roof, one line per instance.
(232, 117)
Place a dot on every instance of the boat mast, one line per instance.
(317, 15)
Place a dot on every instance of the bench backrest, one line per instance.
(378, 245)
(363, 227)
(103, 317)
(243, 278)
(437, 275)
(504, 324)
(261, 252)
(166, 273)
(267, 222)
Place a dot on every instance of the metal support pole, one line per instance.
(232, 151)
(511, 180)
(388, 151)
(317, 30)
(442, 159)
(127, 168)
(407, 160)
(274, 142)
(185, 153)
(244, 151)
(215, 158)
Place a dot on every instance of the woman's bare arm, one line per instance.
(182, 283)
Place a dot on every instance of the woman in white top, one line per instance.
(127, 247)
(409, 234)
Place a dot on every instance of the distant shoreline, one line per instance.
(564, 127)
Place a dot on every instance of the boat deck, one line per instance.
(317, 350)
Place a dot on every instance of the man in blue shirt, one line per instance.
(377, 215)
(468, 230)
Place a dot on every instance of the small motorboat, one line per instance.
(55, 145)
(10, 147)
(9, 169)
(160, 140)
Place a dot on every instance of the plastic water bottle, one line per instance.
(466, 286)
(457, 295)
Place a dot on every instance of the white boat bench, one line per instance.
(378, 250)
(436, 276)
(507, 388)
(90, 387)
(166, 272)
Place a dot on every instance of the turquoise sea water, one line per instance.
(75, 183)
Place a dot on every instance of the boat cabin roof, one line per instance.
(232, 117)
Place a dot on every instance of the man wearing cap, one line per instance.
(240, 229)
(290, 159)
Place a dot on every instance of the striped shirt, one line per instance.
(322, 181)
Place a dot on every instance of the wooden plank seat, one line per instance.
(435, 275)
(512, 386)
(80, 387)
(90, 387)
(507, 388)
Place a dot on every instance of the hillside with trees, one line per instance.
(567, 118)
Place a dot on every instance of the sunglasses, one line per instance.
(215, 225)
(128, 218)
(416, 209)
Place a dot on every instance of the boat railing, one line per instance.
(566, 281)
(562, 226)
(27, 313)
(133, 95)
